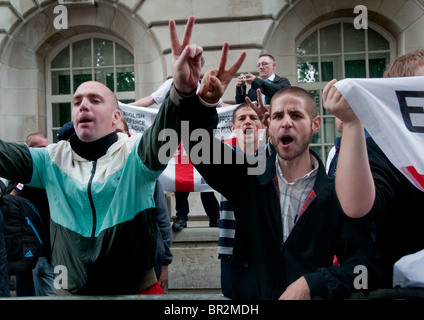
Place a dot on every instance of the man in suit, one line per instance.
(268, 82)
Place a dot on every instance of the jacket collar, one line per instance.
(92, 151)
(271, 172)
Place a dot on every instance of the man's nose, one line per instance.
(248, 120)
(85, 104)
(287, 122)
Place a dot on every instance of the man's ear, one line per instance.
(316, 124)
(116, 117)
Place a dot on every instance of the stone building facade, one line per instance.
(125, 44)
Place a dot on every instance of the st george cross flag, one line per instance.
(392, 111)
(180, 174)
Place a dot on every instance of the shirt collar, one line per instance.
(271, 78)
(310, 175)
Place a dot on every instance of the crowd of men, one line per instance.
(297, 233)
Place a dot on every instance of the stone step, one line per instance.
(195, 267)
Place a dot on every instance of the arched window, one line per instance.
(94, 58)
(338, 51)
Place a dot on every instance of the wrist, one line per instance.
(178, 97)
(353, 124)
(210, 105)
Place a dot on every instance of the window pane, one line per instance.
(330, 39)
(85, 60)
(105, 76)
(125, 79)
(123, 56)
(377, 41)
(330, 60)
(81, 76)
(354, 40)
(62, 59)
(61, 113)
(317, 97)
(81, 53)
(316, 138)
(103, 52)
(126, 101)
(61, 82)
(330, 129)
(377, 64)
(355, 66)
(309, 45)
(331, 68)
(307, 70)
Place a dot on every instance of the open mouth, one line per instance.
(248, 132)
(286, 140)
(85, 120)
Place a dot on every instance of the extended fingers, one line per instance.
(175, 43)
(250, 102)
(224, 57)
(237, 64)
(188, 31)
(259, 98)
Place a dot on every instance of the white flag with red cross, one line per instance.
(392, 111)
(180, 174)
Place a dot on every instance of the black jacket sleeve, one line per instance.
(161, 139)
(220, 165)
(15, 162)
(269, 88)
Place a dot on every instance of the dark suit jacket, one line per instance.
(267, 88)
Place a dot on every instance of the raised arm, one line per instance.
(260, 108)
(186, 59)
(155, 150)
(216, 81)
(354, 182)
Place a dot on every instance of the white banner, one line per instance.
(180, 174)
(392, 111)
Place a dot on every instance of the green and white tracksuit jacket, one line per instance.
(103, 227)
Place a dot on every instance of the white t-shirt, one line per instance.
(160, 94)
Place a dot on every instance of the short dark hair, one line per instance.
(242, 105)
(301, 93)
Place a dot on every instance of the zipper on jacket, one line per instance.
(90, 198)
